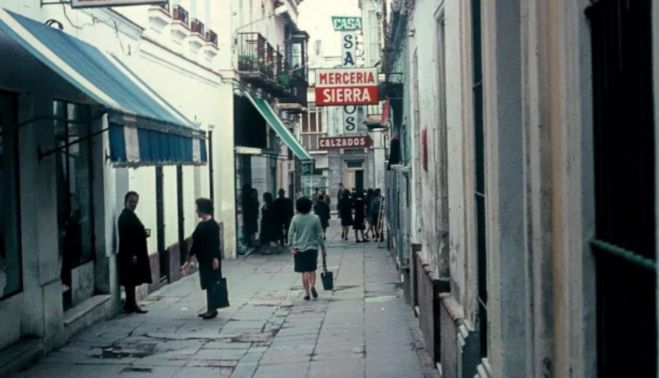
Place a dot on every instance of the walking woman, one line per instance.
(305, 237)
(322, 209)
(133, 255)
(345, 212)
(206, 247)
(360, 214)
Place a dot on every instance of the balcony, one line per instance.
(197, 37)
(159, 17)
(265, 67)
(180, 24)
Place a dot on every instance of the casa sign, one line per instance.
(344, 142)
(346, 86)
(347, 23)
(112, 3)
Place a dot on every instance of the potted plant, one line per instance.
(246, 62)
(284, 79)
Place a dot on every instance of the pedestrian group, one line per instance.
(304, 233)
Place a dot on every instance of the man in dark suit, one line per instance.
(133, 256)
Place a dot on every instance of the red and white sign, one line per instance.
(357, 141)
(346, 86)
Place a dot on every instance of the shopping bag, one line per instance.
(327, 277)
(219, 296)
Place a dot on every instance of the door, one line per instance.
(75, 212)
(180, 215)
(160, 219)
(359, 180)
(624, 156)
(11, 277)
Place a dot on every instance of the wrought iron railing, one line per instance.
(181, 14)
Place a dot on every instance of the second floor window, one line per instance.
(312, 128)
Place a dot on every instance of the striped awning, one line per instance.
(278, 126)
(144, 129)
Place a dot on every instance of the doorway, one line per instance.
(625, 230)
(353, 177)
(75, 211)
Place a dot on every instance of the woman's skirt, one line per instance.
(358, 223)
(306, 261)
(346, 220)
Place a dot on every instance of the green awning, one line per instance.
(275, 122)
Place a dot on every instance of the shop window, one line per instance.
(74, 189)
(10, 249)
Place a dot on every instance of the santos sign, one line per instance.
(353, 86)
(112, 3)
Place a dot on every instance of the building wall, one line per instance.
(539, 182)
(191, 83)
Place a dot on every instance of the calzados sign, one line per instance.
(112, 3)
(344, 142)
(350, 86)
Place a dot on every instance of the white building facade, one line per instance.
(68, 157)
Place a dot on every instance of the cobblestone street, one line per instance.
(361, 329)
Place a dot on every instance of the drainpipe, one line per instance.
(210, 162)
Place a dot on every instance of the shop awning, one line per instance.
(144, 128)
(278, 126)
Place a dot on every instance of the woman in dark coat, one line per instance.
(206, 248)
(250, 204)
(270, 224)
(133, 255)
(360, 215)
(345, 212)
(322, 209)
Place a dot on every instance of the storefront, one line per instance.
(70, 115)
(263, 142)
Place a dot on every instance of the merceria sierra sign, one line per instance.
(350, 86)
(357, 141)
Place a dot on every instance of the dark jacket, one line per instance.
(345, 211)
(323, 211)
(284, 210)
(132, 243)
(206, 247)
(270, 224)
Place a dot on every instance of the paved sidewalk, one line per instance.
(361, 329)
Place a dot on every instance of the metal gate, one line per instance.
(624, 244)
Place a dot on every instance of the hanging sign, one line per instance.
(359, 141)
(347, 23)
(346, 86)
(112, 3)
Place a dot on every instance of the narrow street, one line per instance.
(361, 329)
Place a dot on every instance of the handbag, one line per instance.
(327, 277)
(219, 296)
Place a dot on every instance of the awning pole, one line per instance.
(65, 146)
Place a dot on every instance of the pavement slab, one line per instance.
(363, 328)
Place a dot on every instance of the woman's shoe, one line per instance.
(306, 298)
(210, 315)
(314, 293)
(139, 310)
